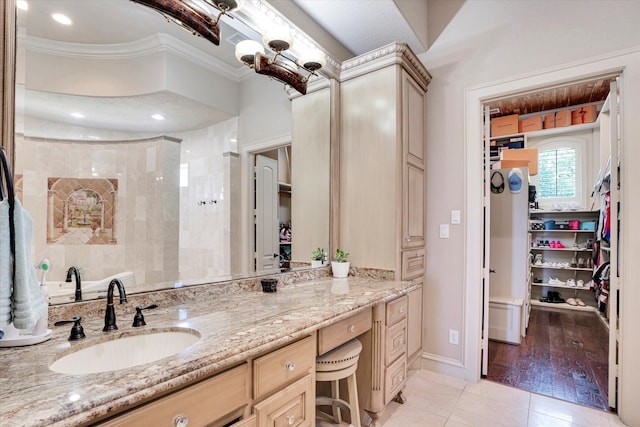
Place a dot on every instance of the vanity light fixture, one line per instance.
(281, 66)
(193, 16)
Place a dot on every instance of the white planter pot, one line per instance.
(316, 264)
(340, 269)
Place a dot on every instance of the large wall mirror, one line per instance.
(135, 147)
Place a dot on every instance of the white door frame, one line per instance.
(475, 97)
(248, 154)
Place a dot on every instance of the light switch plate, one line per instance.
(455, 217)
(444, 231)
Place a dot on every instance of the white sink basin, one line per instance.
(125, 352)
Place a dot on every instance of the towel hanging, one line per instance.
(7, 239)
(18, 278)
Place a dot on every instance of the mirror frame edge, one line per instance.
(8, 63)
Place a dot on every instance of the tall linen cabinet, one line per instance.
(382, 185)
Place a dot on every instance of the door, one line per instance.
(484, 353)
(267, 250)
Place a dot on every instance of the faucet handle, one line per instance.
(77, 332)
(138, 319)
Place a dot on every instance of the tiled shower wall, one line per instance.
(147, 210)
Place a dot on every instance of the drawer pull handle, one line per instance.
(351, 328)
(291, 366)
(290, 419)
(181, 421)
(401, 309)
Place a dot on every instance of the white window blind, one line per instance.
(557, 177)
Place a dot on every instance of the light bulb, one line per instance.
(312, 59)
(246, 51)
(278, 38)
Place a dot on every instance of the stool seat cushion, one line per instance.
(340, 357)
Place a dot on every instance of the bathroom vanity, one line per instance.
(254, 364)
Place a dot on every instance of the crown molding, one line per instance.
(391, 54)
(157, 43)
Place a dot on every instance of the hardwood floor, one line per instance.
(564, 355)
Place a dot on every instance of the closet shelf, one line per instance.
(563, 305)
(548, 267)
(579, 288)
(561, 231)
(544, 248)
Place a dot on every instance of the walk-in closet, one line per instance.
(551, 169)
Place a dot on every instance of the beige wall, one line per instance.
(476, 48)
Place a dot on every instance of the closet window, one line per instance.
(557, 173)
(561, 171)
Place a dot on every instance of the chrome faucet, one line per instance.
(76, 273)
(110, 313)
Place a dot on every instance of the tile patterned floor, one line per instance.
(435, 400)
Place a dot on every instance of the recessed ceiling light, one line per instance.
(77, 115)
(62, 19)
(158, 116)
(22, 4)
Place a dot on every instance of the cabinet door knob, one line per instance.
(401, 309)
(181, 421)
(351, 328)
(290, 419)
(408, 238)
(291, 366)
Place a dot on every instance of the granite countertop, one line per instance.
(233, 325)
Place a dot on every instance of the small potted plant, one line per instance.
(316, 258)
(340, 264)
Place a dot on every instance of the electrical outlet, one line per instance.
(444, 231)
(453, 337)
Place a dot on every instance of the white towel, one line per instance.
(5, 265)
(29, 304)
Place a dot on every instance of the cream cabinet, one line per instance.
(284, 385)
(382, 161)
(414, 326)
(382, 370)
(383, 204)
(214, 402)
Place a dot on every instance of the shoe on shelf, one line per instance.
(538, 259)
(574, 263)
(559, 245)
(580, 283)
(580, 302)
(552, 244)
(554, 297)
(571, 282)
(555, 281)
(572, 301)
(581, 263)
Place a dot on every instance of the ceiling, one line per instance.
(379, 22)
(589, 92)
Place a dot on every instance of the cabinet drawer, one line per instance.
(396, 341)
(280, 367)
(340, 332)
(248, 422)
(413, 264)
(395, 378)
(396, 310)
(293, 406)
(203, 403)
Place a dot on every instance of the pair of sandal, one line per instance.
(576, 302)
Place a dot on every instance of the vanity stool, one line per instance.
(337, 364)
